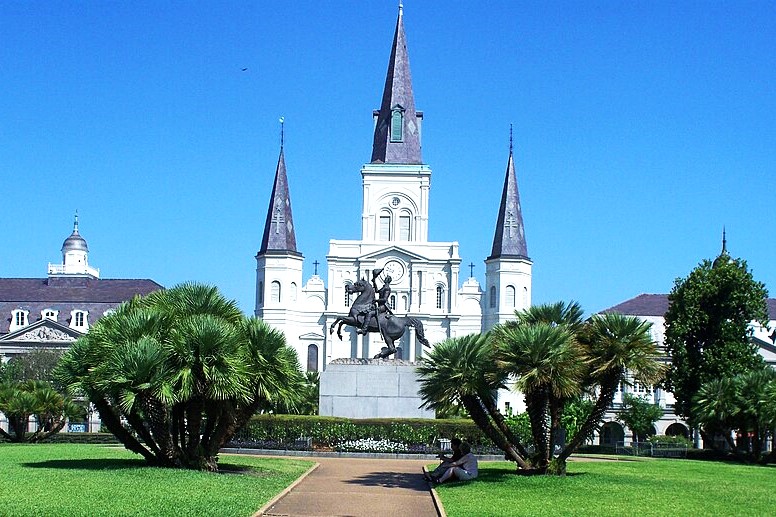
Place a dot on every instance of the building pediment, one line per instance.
(393, 252)
(43, 331)
(311, 336)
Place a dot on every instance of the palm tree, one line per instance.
(462, 371)
(548, 366)
(184, 368)
(615, 344)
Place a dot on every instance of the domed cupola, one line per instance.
(724, 256)
(75, 242)
(75, 257)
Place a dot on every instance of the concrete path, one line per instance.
(355, 487)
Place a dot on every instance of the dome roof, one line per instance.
(724, 256)
(75, 242)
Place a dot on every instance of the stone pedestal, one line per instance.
(371, 388)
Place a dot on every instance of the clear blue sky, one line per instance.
(641, 128)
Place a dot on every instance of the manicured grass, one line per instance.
(641, 487)
(89, 480)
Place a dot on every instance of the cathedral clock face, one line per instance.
(395, 269)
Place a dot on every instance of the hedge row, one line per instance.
(332, 431)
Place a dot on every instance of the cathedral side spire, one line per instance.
(279, 232)
(397, 125)
(509, 239)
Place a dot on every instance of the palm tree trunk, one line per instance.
(536, 405)
(474, 406)
(502, 425)
(608, 387)
(113, 423)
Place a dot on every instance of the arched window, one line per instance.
(404, 227)
(347, 294)
(405, 303)
(292, 293)
(275, 291)
(440, 296)
(392, 302)
(510, 296)
(525, 297)
(19, 318)
(260, 294)
(385, 226)
(493, 297)
(79, 321)
(397, 124)
(312, 358)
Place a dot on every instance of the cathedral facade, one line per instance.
(425, 276)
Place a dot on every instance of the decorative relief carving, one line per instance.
(45, 334)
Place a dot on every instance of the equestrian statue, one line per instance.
(370, 313)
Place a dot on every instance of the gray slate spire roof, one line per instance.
(279, 227)
(509, 240)
(397, 97)
(75, 241)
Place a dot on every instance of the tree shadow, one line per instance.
(391, 480)
(88, 464)
(503, 476)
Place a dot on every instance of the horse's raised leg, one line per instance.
(339, 329)
(331, 329)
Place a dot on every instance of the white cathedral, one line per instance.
(426, 281)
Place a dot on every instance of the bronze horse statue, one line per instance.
(390, 327)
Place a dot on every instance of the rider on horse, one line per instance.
(380, 304)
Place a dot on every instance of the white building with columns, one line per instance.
(426, 277)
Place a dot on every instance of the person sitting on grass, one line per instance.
(463, 469)
(455, 444)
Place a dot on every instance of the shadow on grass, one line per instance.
(88, 464)
(496, 476)
(392, 480)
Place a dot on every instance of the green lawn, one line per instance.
(89, 480)
(642, 487)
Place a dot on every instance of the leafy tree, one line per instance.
(37, 364)
(708, 327)
(21, 400)
(639, 415)
(184, 369)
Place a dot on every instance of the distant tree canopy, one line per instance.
(708, 332)
(36, 365)
(639, 415)
(184, 369)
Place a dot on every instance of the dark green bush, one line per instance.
(330, 431)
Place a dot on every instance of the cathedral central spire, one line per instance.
(509, 239)
(397, 128)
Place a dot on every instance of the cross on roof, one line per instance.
(316, 266)
(278, 218)
(510, 223)
(471, 269)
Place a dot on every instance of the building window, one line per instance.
(397, 124)
(405, 302)
(19, 318)
(510, 296)
(275, 292)
(404, 228)
(385, 227)
(260, 294)
(49, 314)
(493, 297)
(399, 353)
(312, 358)
(292, 293)
(79, 321)
(347, 294)
(392, 302)
(440, 295)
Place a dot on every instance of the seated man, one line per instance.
(463, 469)
(455, 444)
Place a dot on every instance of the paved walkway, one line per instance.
(355, 487)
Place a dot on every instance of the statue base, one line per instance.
(371, 388)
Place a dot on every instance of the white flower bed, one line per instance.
(371, 445)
